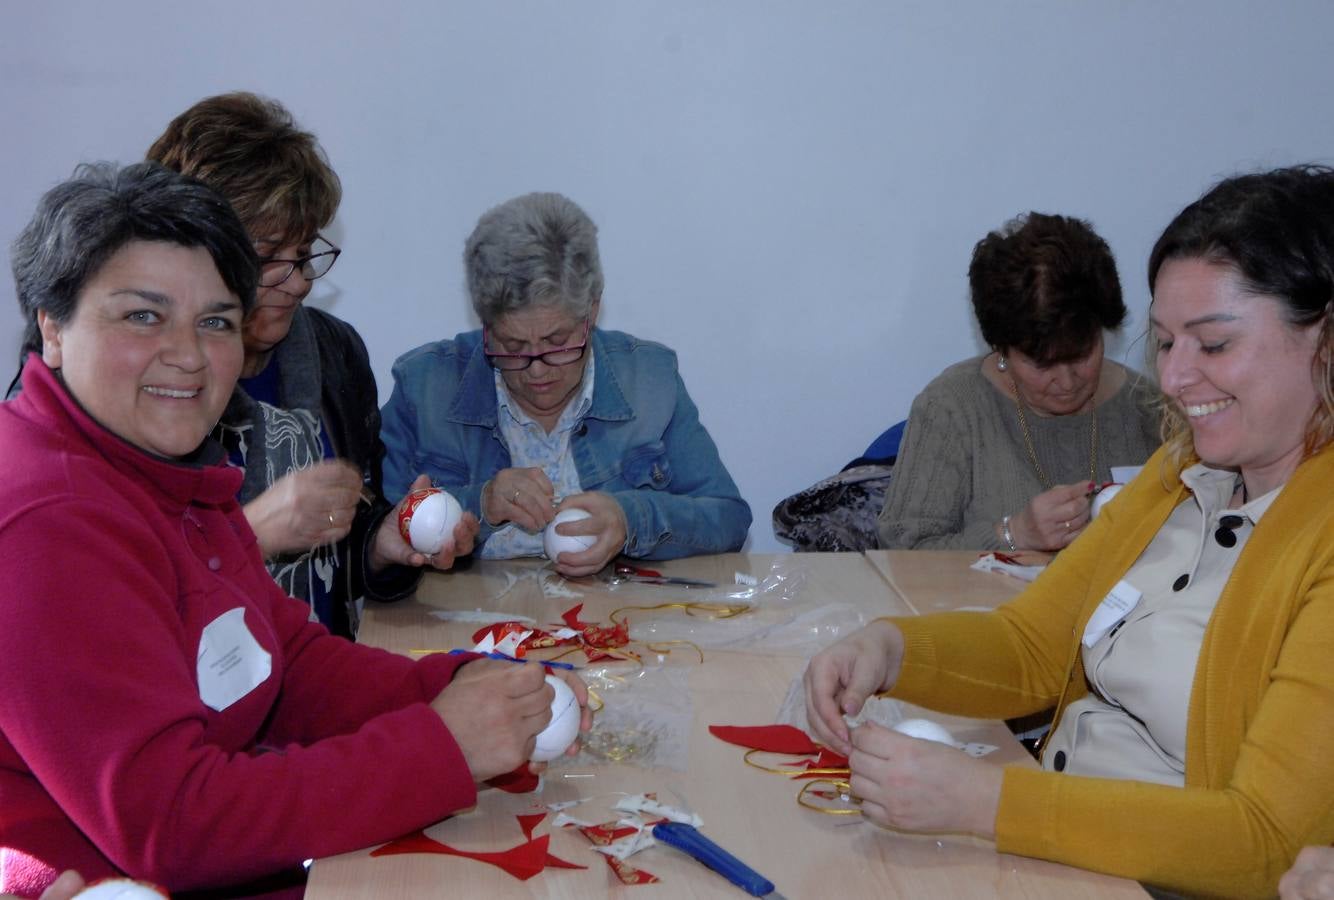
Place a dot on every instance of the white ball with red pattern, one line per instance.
(431, 525)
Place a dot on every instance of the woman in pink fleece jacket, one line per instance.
(166, 708)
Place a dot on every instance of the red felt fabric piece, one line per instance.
(520, 781)
(523, 861)
(772, 738)
(529, 822)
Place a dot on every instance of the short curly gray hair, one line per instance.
(538, 249)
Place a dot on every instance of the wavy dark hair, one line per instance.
(1276, 230)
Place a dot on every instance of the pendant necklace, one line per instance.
(1032, 455)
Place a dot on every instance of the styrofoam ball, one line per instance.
(427, 518)
(555, 544)
(560, 733)
(1102, 497)
(120, 889)
(926, 730)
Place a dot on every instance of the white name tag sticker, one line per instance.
(1121, 599)
(230, 663)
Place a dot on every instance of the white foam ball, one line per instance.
(119, 889)
(560, 733)
(1102, 497)
(555, 544)
(427, 519)
(926, 730)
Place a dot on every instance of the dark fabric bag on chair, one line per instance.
(837, 513)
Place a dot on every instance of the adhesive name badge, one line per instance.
(231, 663)
(1121, 599)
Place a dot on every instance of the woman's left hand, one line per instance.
(390, 548)
(606, 522)
(916, 785)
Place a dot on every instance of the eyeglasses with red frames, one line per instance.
(274, 270)
(517, 362)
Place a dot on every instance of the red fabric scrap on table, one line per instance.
(628, 873)
(529, 822)
(771, 738)
(827, 759)
(523, 861)
(606, 832)
(520, 781)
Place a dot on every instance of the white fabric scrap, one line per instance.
(564, 819)
(479, 616)
(638, 803)
(989, 563)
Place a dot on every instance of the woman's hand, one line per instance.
(522, 496)
(389, 547)
(1054, 518)
(495, 710)
(306, 508)
(1311, 876)
(839, 679)
(605, 522)
(917, 785)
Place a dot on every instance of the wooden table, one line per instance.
(928, 581)
(751, 813)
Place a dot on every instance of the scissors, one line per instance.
(625, 572)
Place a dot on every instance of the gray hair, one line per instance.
(81, 223)
(538, 249)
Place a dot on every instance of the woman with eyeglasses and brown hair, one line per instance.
(541, 411)
(303, 421)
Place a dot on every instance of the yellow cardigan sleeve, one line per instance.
(1260, 768)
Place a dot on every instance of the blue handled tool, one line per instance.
(688, 839)
(501, 656)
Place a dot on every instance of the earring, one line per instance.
(1001, 364)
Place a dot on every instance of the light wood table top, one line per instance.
(930, 581)
(751, 813)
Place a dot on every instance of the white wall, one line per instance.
(788, 192)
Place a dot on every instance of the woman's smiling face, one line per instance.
(1235, 367)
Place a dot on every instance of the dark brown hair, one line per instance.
(1045, 286)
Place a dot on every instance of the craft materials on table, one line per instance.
(1003, 562)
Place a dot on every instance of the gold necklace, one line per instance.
(1032, 455)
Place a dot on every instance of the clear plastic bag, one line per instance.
(769, 614)
(645, 716)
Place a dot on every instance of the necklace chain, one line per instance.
(1032, 454)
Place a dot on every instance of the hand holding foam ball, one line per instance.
(426, 519)
(1102, 497)
(555, 544)
(560, 733)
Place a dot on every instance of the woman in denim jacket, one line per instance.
(541, 411)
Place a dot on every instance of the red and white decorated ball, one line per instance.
(426, 519)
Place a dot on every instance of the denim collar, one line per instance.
(475, 402)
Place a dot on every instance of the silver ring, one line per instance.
(515, 498)
(1066, 523)
(332, 523)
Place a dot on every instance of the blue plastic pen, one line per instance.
(494, 655)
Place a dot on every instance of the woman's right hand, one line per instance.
(525, 497)
(1311, 876)
(1054, 518)
(306, 508)
(839, 679)
(495, 711)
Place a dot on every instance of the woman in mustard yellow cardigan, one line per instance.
(1185, 638)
